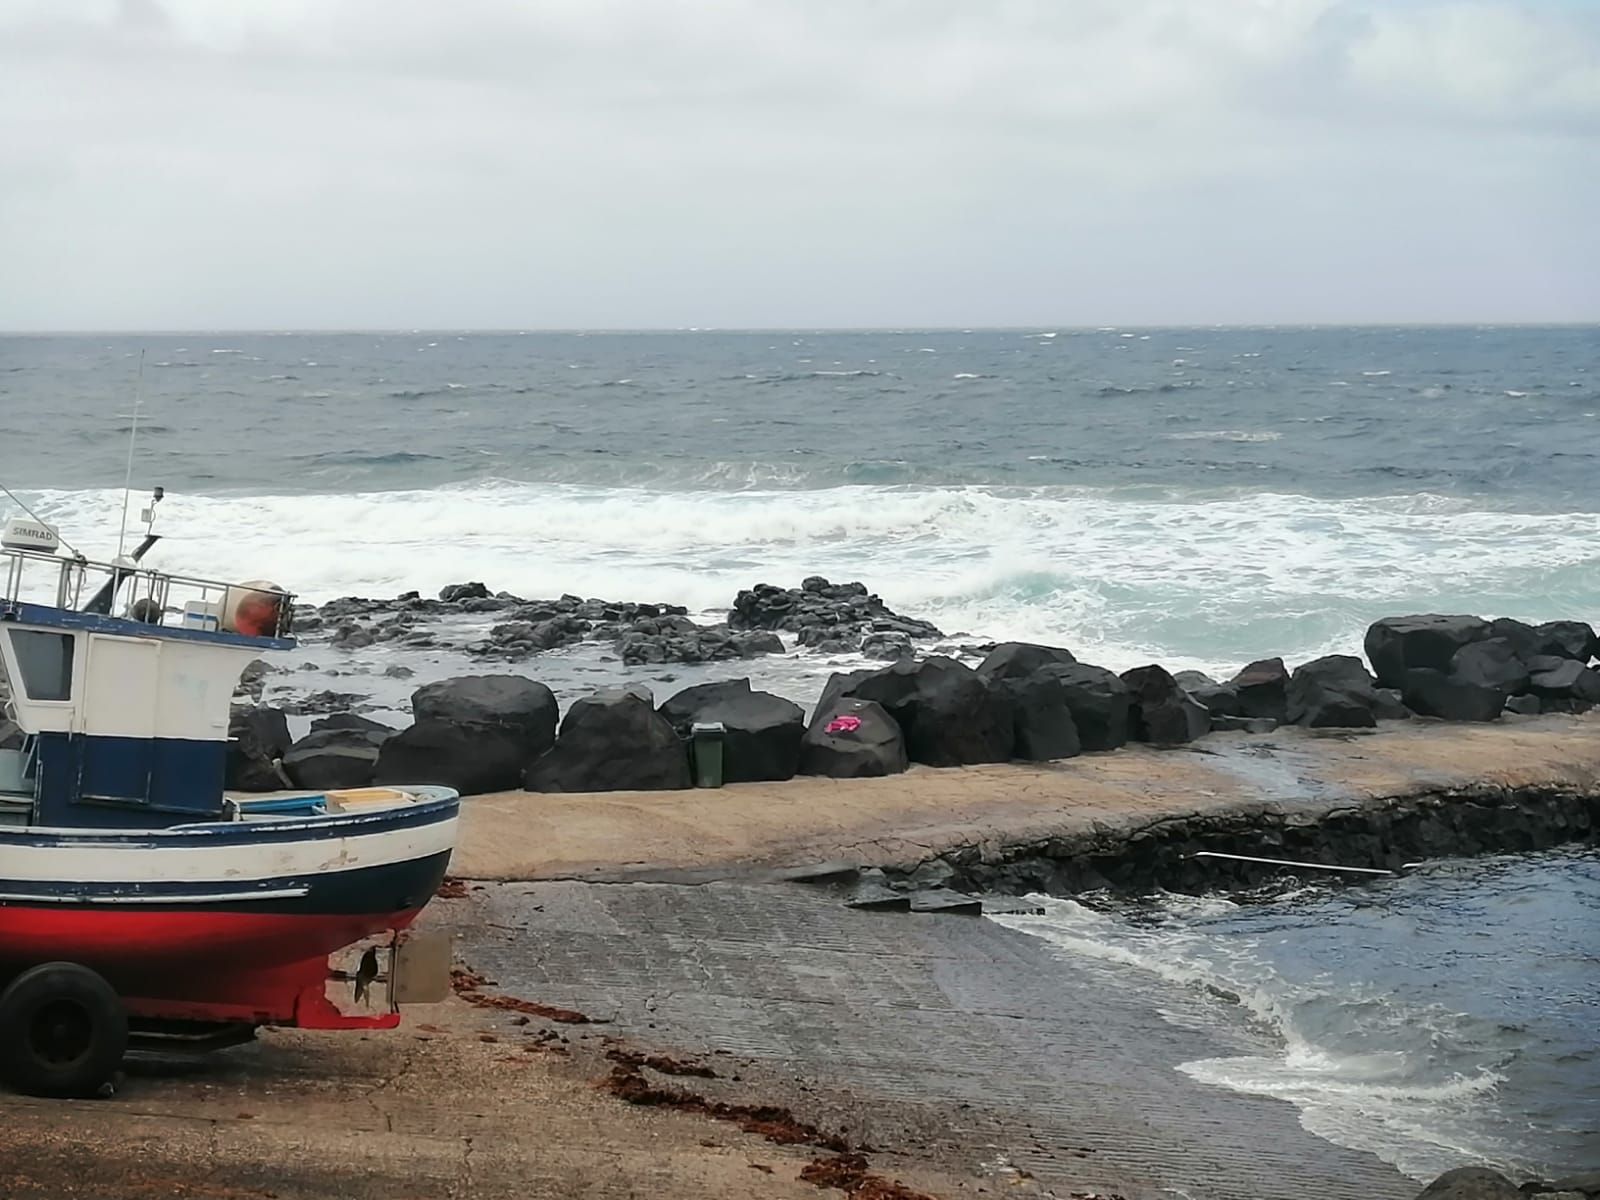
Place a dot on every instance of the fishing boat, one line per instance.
(140, 904)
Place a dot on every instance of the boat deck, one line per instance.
(16, 809)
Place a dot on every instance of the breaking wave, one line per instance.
(1355, 1035)
(1122, 577)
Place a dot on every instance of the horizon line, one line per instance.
(522, 330)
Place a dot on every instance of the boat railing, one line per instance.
(126, 589)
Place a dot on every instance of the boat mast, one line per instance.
(127, 479)
(123, 566)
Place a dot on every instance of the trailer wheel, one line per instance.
(63, 1031)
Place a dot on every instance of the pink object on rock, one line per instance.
(844, 725)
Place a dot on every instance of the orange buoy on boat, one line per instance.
(254, 609)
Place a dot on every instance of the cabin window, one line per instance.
(45, 662)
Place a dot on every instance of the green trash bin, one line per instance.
(705, 744)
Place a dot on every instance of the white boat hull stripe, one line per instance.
(240, 862)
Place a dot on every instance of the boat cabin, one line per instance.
(117, 683)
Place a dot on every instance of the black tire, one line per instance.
(63, 1031)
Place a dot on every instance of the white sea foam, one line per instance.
(1209, 584)
(1368, 1099)
(1227, 435)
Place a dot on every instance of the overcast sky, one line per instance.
(180, 164)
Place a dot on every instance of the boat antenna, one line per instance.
(133, 435)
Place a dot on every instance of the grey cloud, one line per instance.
(772, 162)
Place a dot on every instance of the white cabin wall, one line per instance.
(137, 687)
(195, 690)
(117, 693)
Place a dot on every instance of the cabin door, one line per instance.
(119, 720)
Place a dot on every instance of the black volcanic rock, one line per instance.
(1492, 663)
(762, 731)
(1219, 699)
(1569, 639)
(258, 740)
(1041, 723)
(1395, 645)
(329, 759)
(475, 733)
(612, 741)
(1163, 714)
(1099, 703)
(822, 614)
(950, 717)
(1471, 1183)
(1016, 660)
(865, 744)
(1263, 690)
(1333, 692)
(1452, 697)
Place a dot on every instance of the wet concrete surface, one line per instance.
(1006, 1056)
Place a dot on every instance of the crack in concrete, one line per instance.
(462, 1188)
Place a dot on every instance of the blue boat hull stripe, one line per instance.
(386, 888)
(196, 898)
(61, 618)
(254, 833)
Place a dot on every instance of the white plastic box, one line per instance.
(197, 614)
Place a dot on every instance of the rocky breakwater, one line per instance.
(822, 616)
(1463, 668)
(1438, 667)
(831, 618)
(474, 733)
(1022, 702)
(1480, 1183)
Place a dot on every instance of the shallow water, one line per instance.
(1446, 1017)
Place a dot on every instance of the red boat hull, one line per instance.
(212, 966)
(145, 943)
(224, 921)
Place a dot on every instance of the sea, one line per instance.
(1195, 497)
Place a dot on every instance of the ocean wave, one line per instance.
(1110, 390)
(802, 376)
(415, 393)
(1122, 577)
(1413, 1085)
(119, 430)
(1227, 435)
(355, 458)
